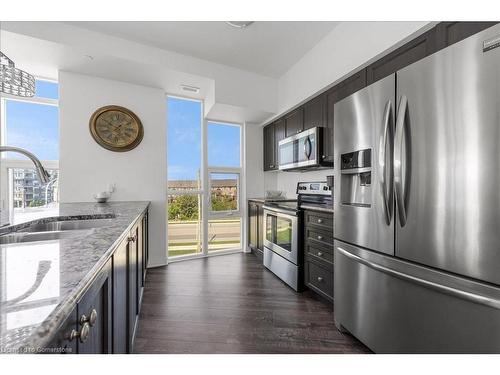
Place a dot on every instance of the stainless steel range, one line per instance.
(283, 228)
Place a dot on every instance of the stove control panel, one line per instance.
(316, 188)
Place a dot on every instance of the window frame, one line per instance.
(6, 188)
(205, 193)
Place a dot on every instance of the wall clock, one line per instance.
(116, 128)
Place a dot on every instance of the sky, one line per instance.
(184, 141)
(34, 127)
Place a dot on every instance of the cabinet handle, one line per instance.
(320, 254)
(320, 238)
(320, 221)
(320, 279)
(91, 320)
(83, 334)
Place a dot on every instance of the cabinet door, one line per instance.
(120, 306)
(279, 134)
(417, 49)
(140, 260)
(352, 84)
(94, 315)
(294, 122)
(260, 226)
(144, 248)
(252, 225)
(65, 339)
(145, 229)
(132, 287)
(269, 148)
(315, 112)
(448, 33)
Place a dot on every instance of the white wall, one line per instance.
(347, 47)
(253, 161)
(86, 167)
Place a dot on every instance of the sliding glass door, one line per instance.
(204, 177)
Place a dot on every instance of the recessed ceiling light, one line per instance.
(192, 89)
(239, 24)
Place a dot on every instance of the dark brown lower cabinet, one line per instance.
(120, 299)
(105, 318)
(256, 227)
(133, 288)
(318, 249)
(95, 315)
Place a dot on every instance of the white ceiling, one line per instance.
(267, 48)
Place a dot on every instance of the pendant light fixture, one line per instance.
(15, 81)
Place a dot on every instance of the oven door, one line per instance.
(300, 150)
(281, 234)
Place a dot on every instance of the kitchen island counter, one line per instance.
(42, 281)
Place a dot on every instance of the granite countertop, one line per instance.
(42, 281)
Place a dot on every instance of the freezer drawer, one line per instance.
(394, 306)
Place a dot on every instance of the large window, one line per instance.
(32, 124)
(224, 175)
(184, 185)
(203, 187)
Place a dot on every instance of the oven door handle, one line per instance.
(280, 211)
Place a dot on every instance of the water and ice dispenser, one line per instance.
(356, 178)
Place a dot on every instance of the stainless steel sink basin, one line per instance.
(19, 237)
(67, 225)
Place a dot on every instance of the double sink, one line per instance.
(54, 230)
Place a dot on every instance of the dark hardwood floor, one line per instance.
(232, 304)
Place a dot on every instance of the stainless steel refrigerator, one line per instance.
(417, 204)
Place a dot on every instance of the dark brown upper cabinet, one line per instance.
(448, 33)
(315, 112)
(319, 111)
(279, 133)
(269, 148)
(294, 122)
(417, 49)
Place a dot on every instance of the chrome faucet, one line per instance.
(42, 174)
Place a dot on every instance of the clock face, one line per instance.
(116, 128)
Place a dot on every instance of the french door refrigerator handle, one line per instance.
(387, 136)
(446, 289)
(399, 159)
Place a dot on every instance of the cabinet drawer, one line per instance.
(319, 279)
(320, 219)
(320, 237)
(324, 253)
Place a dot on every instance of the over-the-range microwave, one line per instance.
(303, 151)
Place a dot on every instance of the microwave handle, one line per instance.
(307, 147)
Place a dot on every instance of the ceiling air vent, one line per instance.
(190, 89)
